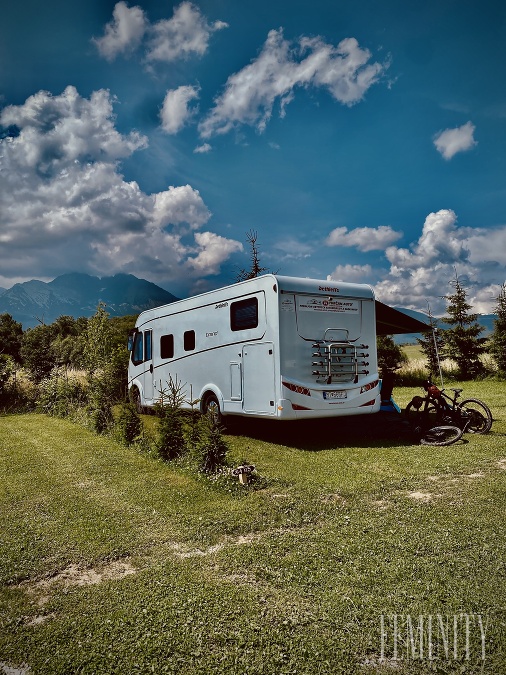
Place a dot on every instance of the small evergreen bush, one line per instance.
(171, 442)
(128, 424)
(212, 448)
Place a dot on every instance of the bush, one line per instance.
(61, 394)
(212, 447)
(100, 408)
(171, 442)
(128, 424)
(7, 369)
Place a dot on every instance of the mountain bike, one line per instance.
(438, 408)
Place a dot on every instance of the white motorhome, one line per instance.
(274, 346)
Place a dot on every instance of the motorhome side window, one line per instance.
(189, 340)
(244, 314)
(147, 346)
(167, 347)
(137, 351)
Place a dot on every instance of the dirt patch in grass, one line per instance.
(502, 464)
(381, 504)
(182, 551)
(424, 497)
(6, 669)
(334, 498)
(478, 474)
(379, 664)
(79, 576)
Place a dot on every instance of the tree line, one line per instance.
(462, 340)
(98, 344)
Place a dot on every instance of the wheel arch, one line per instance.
(209, 390)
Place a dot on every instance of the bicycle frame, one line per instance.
(469, 415)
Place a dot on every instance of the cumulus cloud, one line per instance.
(250, 94)
(213, 250)
(354, 273)
(175, 111)
(65, 206)
(422, 273)
(363, 238)
(186, 33)
(124, 33)
(451, 141)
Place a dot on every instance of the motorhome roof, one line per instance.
(285, 284)
(299, 285)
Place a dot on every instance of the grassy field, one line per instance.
(114, 562)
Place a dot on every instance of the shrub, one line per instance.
(212, 446)
(7, 369)
(171, 441)
(61, 395)
(128, 424)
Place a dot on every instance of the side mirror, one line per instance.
(131, 338)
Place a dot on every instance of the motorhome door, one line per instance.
(258, 367)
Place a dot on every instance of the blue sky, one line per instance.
(363, 141)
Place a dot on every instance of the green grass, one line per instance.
(351, 522)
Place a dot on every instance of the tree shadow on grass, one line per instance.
(368, 431)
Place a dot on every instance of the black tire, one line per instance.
(135, 398)
(420, 417)
(444, 435)
(211, 408)
(481, 417)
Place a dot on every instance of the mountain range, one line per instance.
(34, 302)
(75, 294)
(485, 320)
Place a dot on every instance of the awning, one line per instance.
(390, 321)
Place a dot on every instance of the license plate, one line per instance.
(327, 395)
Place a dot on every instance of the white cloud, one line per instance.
(175, 111)
(363, 238)
(423, 272)
(202, 149)
(66, 207)
(186, 33)
(124, 33)
(487, 245)
(214, 250)
(451, 141)
(251, 93)
(291, 249)
(440, 243)
(354, 273)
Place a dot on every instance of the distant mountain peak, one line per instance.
(78, 294)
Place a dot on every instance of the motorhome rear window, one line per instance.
(167, 347)
(244, 314)
(189, 340)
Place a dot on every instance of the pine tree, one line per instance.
(432, 345)
(463, 341)
(256, 269)
(498, 338)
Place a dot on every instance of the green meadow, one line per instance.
(354, 551)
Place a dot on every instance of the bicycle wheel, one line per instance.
(480, 416)
(420, 416)
(445, 435)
